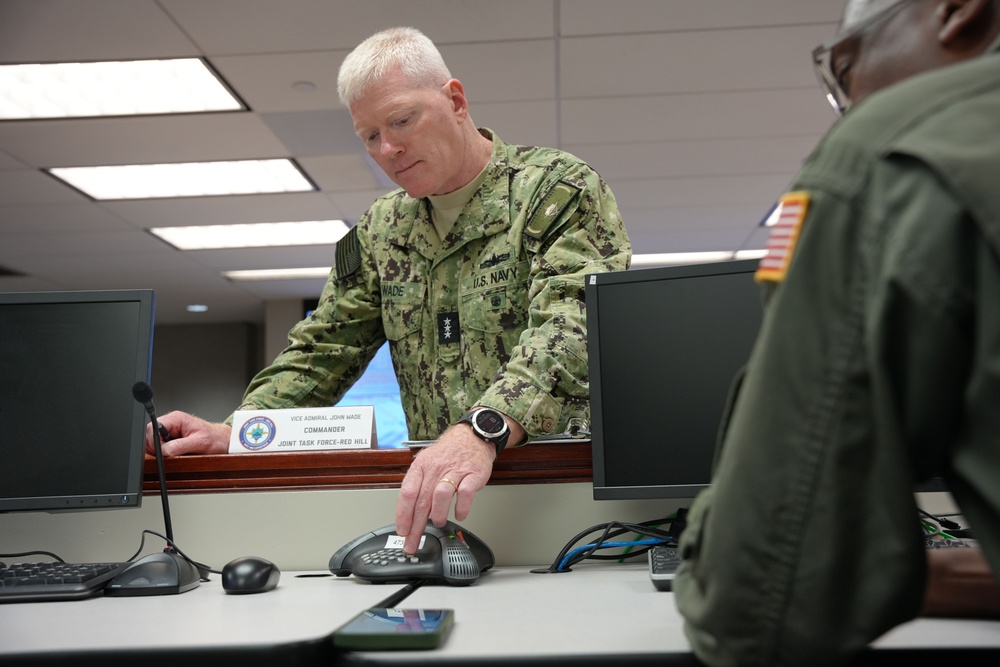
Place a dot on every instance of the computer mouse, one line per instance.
(250, 574)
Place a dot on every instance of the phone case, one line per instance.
(395, 629)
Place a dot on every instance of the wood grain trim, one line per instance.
(353, 469)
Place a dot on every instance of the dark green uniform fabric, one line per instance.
(877, 366)
(493, 314)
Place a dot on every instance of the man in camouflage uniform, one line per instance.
(473, 271)
(876, 364)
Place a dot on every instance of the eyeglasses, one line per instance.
(822, 57)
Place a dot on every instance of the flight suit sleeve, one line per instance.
(329, 350)
(807, 546)
(547, 371)
(936, 332)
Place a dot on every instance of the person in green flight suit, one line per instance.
(473, 270)
(878, 362)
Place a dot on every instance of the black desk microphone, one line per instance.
(143, 393)
(167, 573)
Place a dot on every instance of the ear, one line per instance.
(958, 18)
(456, 93)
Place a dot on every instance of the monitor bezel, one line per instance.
(131, 496)
(602, 490)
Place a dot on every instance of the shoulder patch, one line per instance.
(348, 254)
(786, 223)
(552, 206)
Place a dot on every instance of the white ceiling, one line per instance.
(697, 113)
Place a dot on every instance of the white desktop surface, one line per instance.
(299, 609)
(595, 609)
(598, 609)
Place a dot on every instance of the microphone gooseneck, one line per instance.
(168, 572)
(143, 393)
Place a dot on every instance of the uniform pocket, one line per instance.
(402, 309)
(485, 311)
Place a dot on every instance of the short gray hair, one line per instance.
(406, 48)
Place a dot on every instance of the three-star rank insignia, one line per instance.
(448, 331)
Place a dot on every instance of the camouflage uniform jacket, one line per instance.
(491, 315)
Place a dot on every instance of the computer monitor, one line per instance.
(664, 347)
(71, 433)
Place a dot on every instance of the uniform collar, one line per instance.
(413, 227)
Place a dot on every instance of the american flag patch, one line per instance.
(785, 224)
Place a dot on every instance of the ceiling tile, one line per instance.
(600, 17)
(141, 140)
(336, 173)
(308, 133)
(266, 82)
(290, 207)
(247, 26)
(506, 71)
(708, 157)
(54, 218)
(731, 115)
(696, 113)
(34, 187)
(658, 63)
(70, 30)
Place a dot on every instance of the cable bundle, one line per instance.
(648, 532)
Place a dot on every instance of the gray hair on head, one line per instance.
(407, 48)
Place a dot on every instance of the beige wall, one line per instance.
(300, 530)
(203, 369)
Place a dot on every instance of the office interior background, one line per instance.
(697, 114)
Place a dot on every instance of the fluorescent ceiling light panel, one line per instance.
(279, 274)
(662, 259)
(191, 179)
(128, 88)
(259, 235)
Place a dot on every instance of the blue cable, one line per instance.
(603, 545)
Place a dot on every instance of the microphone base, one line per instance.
(166, 573)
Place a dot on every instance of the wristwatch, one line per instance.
(489, 425)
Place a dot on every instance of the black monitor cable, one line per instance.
(22, 554)
(650, 533)
(203, 569)
(940, 524)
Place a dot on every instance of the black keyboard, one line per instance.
(663, 563)
(37, 582)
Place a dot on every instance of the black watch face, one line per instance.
(489, 421)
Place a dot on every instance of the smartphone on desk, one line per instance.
(395, 629)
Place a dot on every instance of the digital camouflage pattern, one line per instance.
(491, 315)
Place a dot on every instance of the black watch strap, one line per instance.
(488, 424)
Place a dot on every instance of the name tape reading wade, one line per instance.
(303, 429)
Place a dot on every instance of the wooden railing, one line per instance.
(356, 469)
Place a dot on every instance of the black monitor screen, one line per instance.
(71, 434)
(664, 347)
